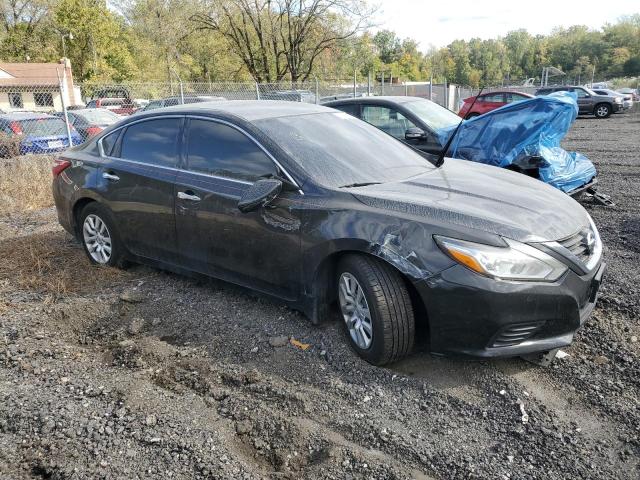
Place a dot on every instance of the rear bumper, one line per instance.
(473, 316)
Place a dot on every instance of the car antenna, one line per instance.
(445, 149)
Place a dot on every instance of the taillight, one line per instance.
(60, 166)
(93, 130)
(15, 128)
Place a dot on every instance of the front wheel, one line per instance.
(602, 110)
(376, 308)
(99, 236)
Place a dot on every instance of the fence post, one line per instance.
(446, 95)
(431, 87)
(181, 92)
(369, 83)
(317, 91)
(406, 89)
(64, 102)
(257, 91)
(355, 80)
(382, 87)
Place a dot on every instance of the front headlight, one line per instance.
(516, 261)
(617, 100)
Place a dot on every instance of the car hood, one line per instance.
(484, 198)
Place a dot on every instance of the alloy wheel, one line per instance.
(603, 111)
(97, 238)
(355, 311)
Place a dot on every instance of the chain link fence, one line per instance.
(48, 118)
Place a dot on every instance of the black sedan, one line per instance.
(316, 207)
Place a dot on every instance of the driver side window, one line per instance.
(217, 149)
(581, 93)
(386, 119)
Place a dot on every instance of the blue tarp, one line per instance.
(513, 134)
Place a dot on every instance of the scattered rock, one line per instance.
(151, 420)
(634, 339)
(132, 296)
(280, 341)
(243, 427)
(135, 326)
(600, 360)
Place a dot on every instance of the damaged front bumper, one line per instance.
(475, 316)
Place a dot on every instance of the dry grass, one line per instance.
(52, 264)
(25, 183)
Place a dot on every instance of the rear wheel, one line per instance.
(602, 110)
(376, 308)
(99, 236)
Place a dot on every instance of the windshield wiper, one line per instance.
(445, 149)
(363, 184)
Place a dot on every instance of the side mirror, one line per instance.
(414, 133)
(259, 194)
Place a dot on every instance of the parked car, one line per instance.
(172, 101)
(634, 92)
(589, 102)
(501, 137)
(314, 206)
(90, 121)
(304, 96)
(489, 101)
(627, 99)
(37, 133)
(121, 106)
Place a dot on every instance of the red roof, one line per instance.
(32, 74)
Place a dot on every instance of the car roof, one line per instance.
(16, 116)
(506, 91)
(380, 100)
(249, 110)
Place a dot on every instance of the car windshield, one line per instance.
(99, 116)
(338, 150)
(43, 127)
(435, 116)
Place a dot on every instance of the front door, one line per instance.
(137, 181)
(259, 249)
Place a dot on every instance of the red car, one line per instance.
(490, 101)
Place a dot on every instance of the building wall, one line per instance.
(28, 100)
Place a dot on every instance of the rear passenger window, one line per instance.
(152, 141)
(108, 142)
(494, 98)
(217, 149)
(351, 109)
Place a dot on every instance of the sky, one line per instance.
(438, 23)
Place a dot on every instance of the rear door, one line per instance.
(585, 101)
(259, 249)
(137, 181)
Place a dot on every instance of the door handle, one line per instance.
(110, 176)
(188, 195)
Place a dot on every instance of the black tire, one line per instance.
(602, 110)
(472, 115)
(117, 257)
(390, 308)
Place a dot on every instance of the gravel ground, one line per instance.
(146, 374)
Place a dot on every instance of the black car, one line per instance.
(90, 121)
(410, 119)
(314, 206)
(589, 102)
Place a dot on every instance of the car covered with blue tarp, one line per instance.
(524, 136)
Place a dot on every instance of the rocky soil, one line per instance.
(146, 374)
